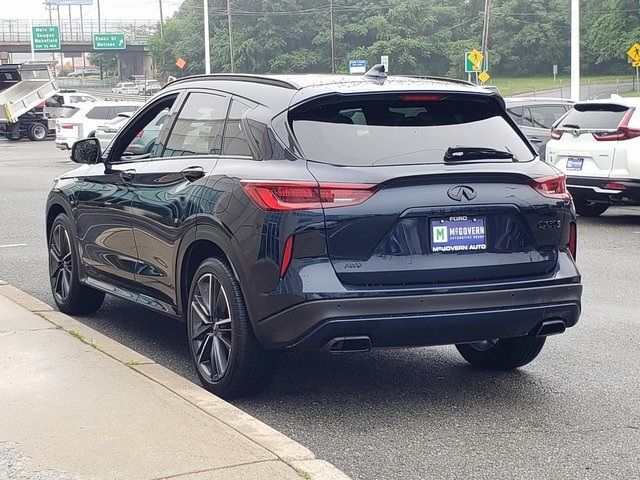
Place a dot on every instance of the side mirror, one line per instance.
(86, 151)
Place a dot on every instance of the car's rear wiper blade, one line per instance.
(476, 153)
(570, 125)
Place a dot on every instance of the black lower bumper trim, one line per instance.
(441, 328)
(422, 319)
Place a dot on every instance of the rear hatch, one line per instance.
(442, 189)
(587, 138)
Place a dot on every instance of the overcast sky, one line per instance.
(112, 9)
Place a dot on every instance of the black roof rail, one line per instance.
(442, 79)
(276, 82)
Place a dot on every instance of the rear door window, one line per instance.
(544, 116)
(235, 135)
(199, 127)
(68, 112)
(399, 129)
(100, 113)
(595, 116)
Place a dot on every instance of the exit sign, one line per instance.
(109, 41)
(45, 38)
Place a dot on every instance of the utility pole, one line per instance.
(207, 54)
(485, 31)
(161, 20)
(49, 7)
(230, 36)
(333, 38)
(575, 50)
(99, 19)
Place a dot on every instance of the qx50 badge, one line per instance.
(461, 192)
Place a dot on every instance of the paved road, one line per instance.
(422, 413)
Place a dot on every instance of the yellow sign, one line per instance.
(483, 77)
(635, 64)
(634, 52)
(476, 58)
(180, 63)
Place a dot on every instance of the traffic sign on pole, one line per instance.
(109, 41)
(634, 52)
(45, 38)
(473, 61)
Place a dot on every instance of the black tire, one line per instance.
(212, 327)
(502, 354)
(589, 209)
(70, 295)
(37, 132)
(9, 137)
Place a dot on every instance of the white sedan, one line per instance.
(107, 131)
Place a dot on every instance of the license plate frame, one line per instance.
(575, 163)
(458, 234)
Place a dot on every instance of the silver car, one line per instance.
(106, 132)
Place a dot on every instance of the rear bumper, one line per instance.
(421, 320)
(593, 189)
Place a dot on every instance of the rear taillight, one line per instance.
(624, 132)
(556, 134)
(67, 125)
(286, 256)
(573, 239)
(614, 186)
(283, 196)
(422, 97)
(552, 187)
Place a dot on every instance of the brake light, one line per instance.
(556, 134)
(551, 187)
(283, 196)
(67, 125)
(286, 256)
(573, 239)
(422, 97)
(622, 133)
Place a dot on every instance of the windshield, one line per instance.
(401, 129)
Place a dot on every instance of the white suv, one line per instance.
(82, 119)
(597, 145)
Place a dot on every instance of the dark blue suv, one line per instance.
(321, 212)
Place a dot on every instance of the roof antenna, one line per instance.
(376, 73)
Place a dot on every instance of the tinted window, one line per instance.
(516, 113)
(199, 126)
(545, 116)
(124, 108)
(595, 115)
(235, 136)
(101, 113)
(68, 112)
(401, 129)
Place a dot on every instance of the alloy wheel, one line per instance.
(210, 327)
(60, 263)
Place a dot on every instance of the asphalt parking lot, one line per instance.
(420, 413)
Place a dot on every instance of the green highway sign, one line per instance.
(109, 41)
(45, 38)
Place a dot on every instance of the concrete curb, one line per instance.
(290, 452)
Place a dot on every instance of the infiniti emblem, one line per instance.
(460, 192)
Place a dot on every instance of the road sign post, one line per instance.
(45, 38)
(384, 60)
(109, 41)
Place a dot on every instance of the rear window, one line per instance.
(68, 112)
(100, 113)
(413, 128)
(587, 116)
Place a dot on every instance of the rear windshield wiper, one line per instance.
(570, 125)
(476, 153)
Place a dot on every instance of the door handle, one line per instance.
(192, 173)
(128, 175)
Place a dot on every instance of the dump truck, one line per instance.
(24, 88)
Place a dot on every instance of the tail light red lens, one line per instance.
(287, 255)
(573, 239)
(614, 186)
(552, 187)
(422, 97)
(556, 134)
(67, 125)
(624, 132)
(284, 196)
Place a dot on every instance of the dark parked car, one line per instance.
(536, 116)
(321, 212)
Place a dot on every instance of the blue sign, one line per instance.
(357, 66)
